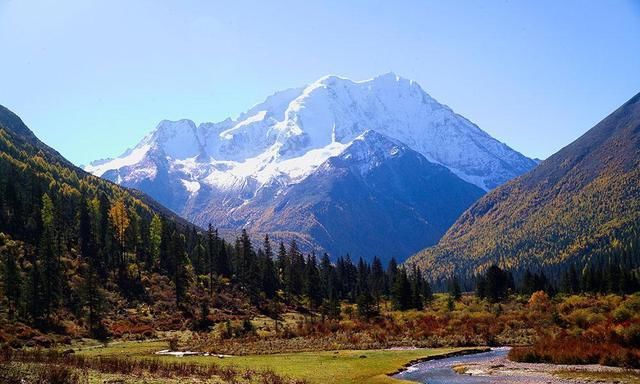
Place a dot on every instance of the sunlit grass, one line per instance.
(336, 367)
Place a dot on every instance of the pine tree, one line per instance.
(454, 288)
(326, 280)
(312, 282)
(295, 271)
(366, 305)
(494, 285)
(94, 300)
(331, 306)
(180, 272)
(155, 239)
(245, 263)
(377, 280)
(417, 301)
(50, 257)
(401, 291)
(392, 271)
(223, 262)
(362, 277)
(270, 282)
(212, 255)
(282, 268)
(427, 292)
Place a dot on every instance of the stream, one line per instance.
(482, 368)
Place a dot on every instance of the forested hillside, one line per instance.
(579, 208)
(66, 235)
(82, 256)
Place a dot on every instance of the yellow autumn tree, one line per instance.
(119, 220)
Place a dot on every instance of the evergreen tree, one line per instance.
(282, 268)
(269, 273)
(392, 271)
(331, 306)
(312, 282)
(326, 279)
(494, 285)
(212, 255)
(427, 292)
(401, 295)
(94, 300)
(295, 271)
(155, 239)
(245, 264)
(50, 256)
(181, 263)
(198, 258)
(270, 282)
(570, 281)
(454, 288)
(417, 301)
(223, 261)
(366, 305)
(377, 280)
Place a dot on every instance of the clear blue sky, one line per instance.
(92, 77)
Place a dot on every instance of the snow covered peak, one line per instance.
(274, 105)
(177, 139)
(328, 114)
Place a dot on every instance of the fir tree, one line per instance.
(49, 252)
(155, 239)
(454, 288)
(377, 280)
(180, 271)
(401, 296)
(366, 305)
(312, 282)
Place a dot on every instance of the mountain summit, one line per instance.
(233, 172)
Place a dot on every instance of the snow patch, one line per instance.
(131, 157)
(191, 186)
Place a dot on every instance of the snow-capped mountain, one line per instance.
(233, 173)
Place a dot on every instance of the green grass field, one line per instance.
(336, 367)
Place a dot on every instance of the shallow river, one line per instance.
(441, 372)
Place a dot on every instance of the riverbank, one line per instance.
(495, 367)
(443, 356)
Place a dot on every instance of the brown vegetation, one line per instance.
(59, 366)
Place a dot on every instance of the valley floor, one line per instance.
(337, 367)
(137, 362)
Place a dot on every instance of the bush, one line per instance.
(621, 314)
(631, 335)
(173, 343)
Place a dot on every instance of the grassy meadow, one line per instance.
(339, 367)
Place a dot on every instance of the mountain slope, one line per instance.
(378, 197)
(29, 168)
(211, 172)
(570, 208)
